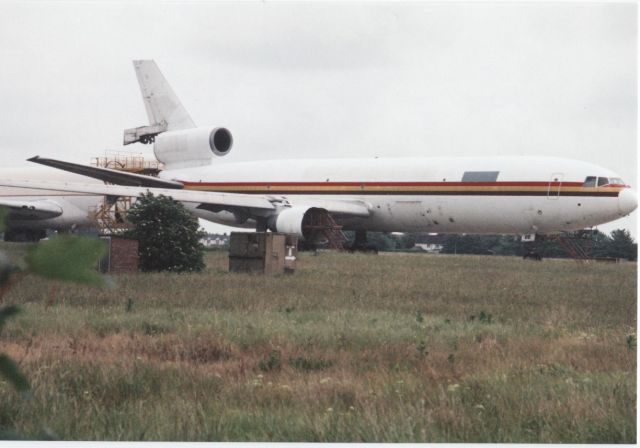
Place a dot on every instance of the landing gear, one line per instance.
(531, 255)
(261, 224)
(530, 243)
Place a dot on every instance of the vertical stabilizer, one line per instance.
(163, 106)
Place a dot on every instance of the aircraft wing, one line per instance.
(31, 210)
(215, 201)
(108, 175)
(232, 200)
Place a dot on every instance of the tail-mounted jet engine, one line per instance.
(192, 146)
(311, 224)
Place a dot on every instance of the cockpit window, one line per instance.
(593, 181)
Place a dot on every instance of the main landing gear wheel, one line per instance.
(531, 255)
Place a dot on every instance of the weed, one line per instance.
(422, 349)
(631, 341)
(271, 363)
(309, 364)
(150, 328)
(342, 340)
(419, 317)
(204, 368)
(485, 318)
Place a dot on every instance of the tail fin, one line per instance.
(162, 104)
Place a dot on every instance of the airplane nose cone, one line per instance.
(627, 201)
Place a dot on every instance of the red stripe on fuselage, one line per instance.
(382, 184)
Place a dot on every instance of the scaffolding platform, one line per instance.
(132, 163)
(110, 216)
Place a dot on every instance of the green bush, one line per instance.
(167, 234)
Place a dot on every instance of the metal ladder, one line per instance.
(573, 246)
(324, 225)
(110, 216)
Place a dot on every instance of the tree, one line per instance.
(471, 244)
(600, 244)
(621, 245)
(380, 241)
(509, 245)
(375, 240)
(167, 234)
(406, 241)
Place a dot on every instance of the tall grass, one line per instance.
(350, 348)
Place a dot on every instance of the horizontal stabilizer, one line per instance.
(143, 134)
(31, 210)
(108, 175)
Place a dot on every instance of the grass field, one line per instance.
(393, 348)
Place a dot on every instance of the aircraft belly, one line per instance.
(456, 214)
(474, 214)
(573, 213)
(446, 214)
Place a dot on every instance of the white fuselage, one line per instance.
(514, 195)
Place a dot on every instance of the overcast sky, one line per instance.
(329, 79)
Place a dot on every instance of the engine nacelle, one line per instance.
(306, 222)
(192, 147)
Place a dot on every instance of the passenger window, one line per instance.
(590, 181)
(603, 181)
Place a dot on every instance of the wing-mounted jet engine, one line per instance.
(312, 225)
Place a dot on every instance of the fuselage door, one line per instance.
(555, 184)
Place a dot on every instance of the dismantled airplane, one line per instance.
(313, 197)
(30, 213)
